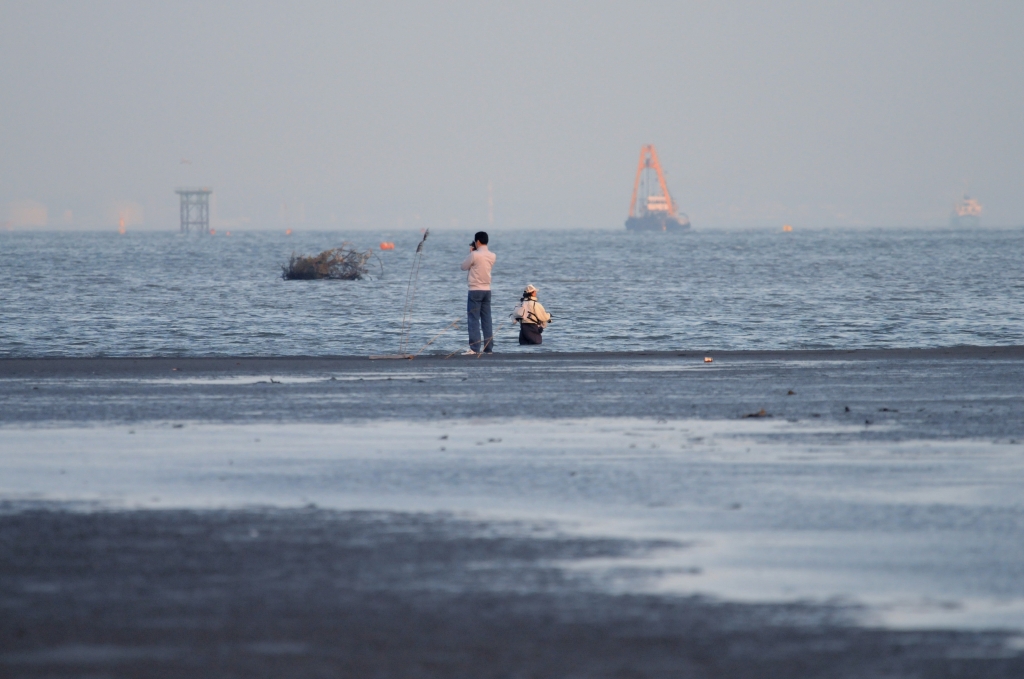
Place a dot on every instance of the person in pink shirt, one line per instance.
(478, 308)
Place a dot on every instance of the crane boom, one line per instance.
(649, 160)
(652, 208)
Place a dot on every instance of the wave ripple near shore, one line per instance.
(87, 294)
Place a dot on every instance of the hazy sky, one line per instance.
(400, 114)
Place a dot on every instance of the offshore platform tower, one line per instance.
(195, 209)
(656, 210)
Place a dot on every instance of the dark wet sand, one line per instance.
(954, 392)
(313, 593)
(310, 593)
(125, 367)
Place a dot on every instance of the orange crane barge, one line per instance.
(656, 209)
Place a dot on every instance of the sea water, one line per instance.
(138, 294)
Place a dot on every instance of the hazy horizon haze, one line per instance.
(401, 115)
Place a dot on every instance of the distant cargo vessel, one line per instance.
(966, 213)
(652, 207)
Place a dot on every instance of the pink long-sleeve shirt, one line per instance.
(479, 264)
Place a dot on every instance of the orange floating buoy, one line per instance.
(287, 232)
(213, 232)
(708, 359)
(387, 245)
(787, 228)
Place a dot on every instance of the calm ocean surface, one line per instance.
(95, 294)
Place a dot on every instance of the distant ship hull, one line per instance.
(964, 221)
(658, 223)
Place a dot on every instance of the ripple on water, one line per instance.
(608, 291)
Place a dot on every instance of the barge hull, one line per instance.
(652, 223)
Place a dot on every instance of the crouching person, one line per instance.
(531, 316)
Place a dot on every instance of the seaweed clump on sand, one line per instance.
(343, 263)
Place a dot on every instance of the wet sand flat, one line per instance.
(544, 515)
(308, 593)
(960, 392)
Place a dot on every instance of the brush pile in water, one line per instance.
(344, 263)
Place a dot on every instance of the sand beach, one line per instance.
(784, 513)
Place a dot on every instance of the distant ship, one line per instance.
(652, 207)
(966, 213)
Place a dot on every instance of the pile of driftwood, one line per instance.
(343, 263)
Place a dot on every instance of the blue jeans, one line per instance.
(478, 308)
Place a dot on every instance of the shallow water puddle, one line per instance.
(766, 509)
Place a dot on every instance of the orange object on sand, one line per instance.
(387, 245)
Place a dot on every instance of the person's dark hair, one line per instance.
(481, 236)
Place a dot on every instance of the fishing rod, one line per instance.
(410, 297)
(410, 293)
(451, 325)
